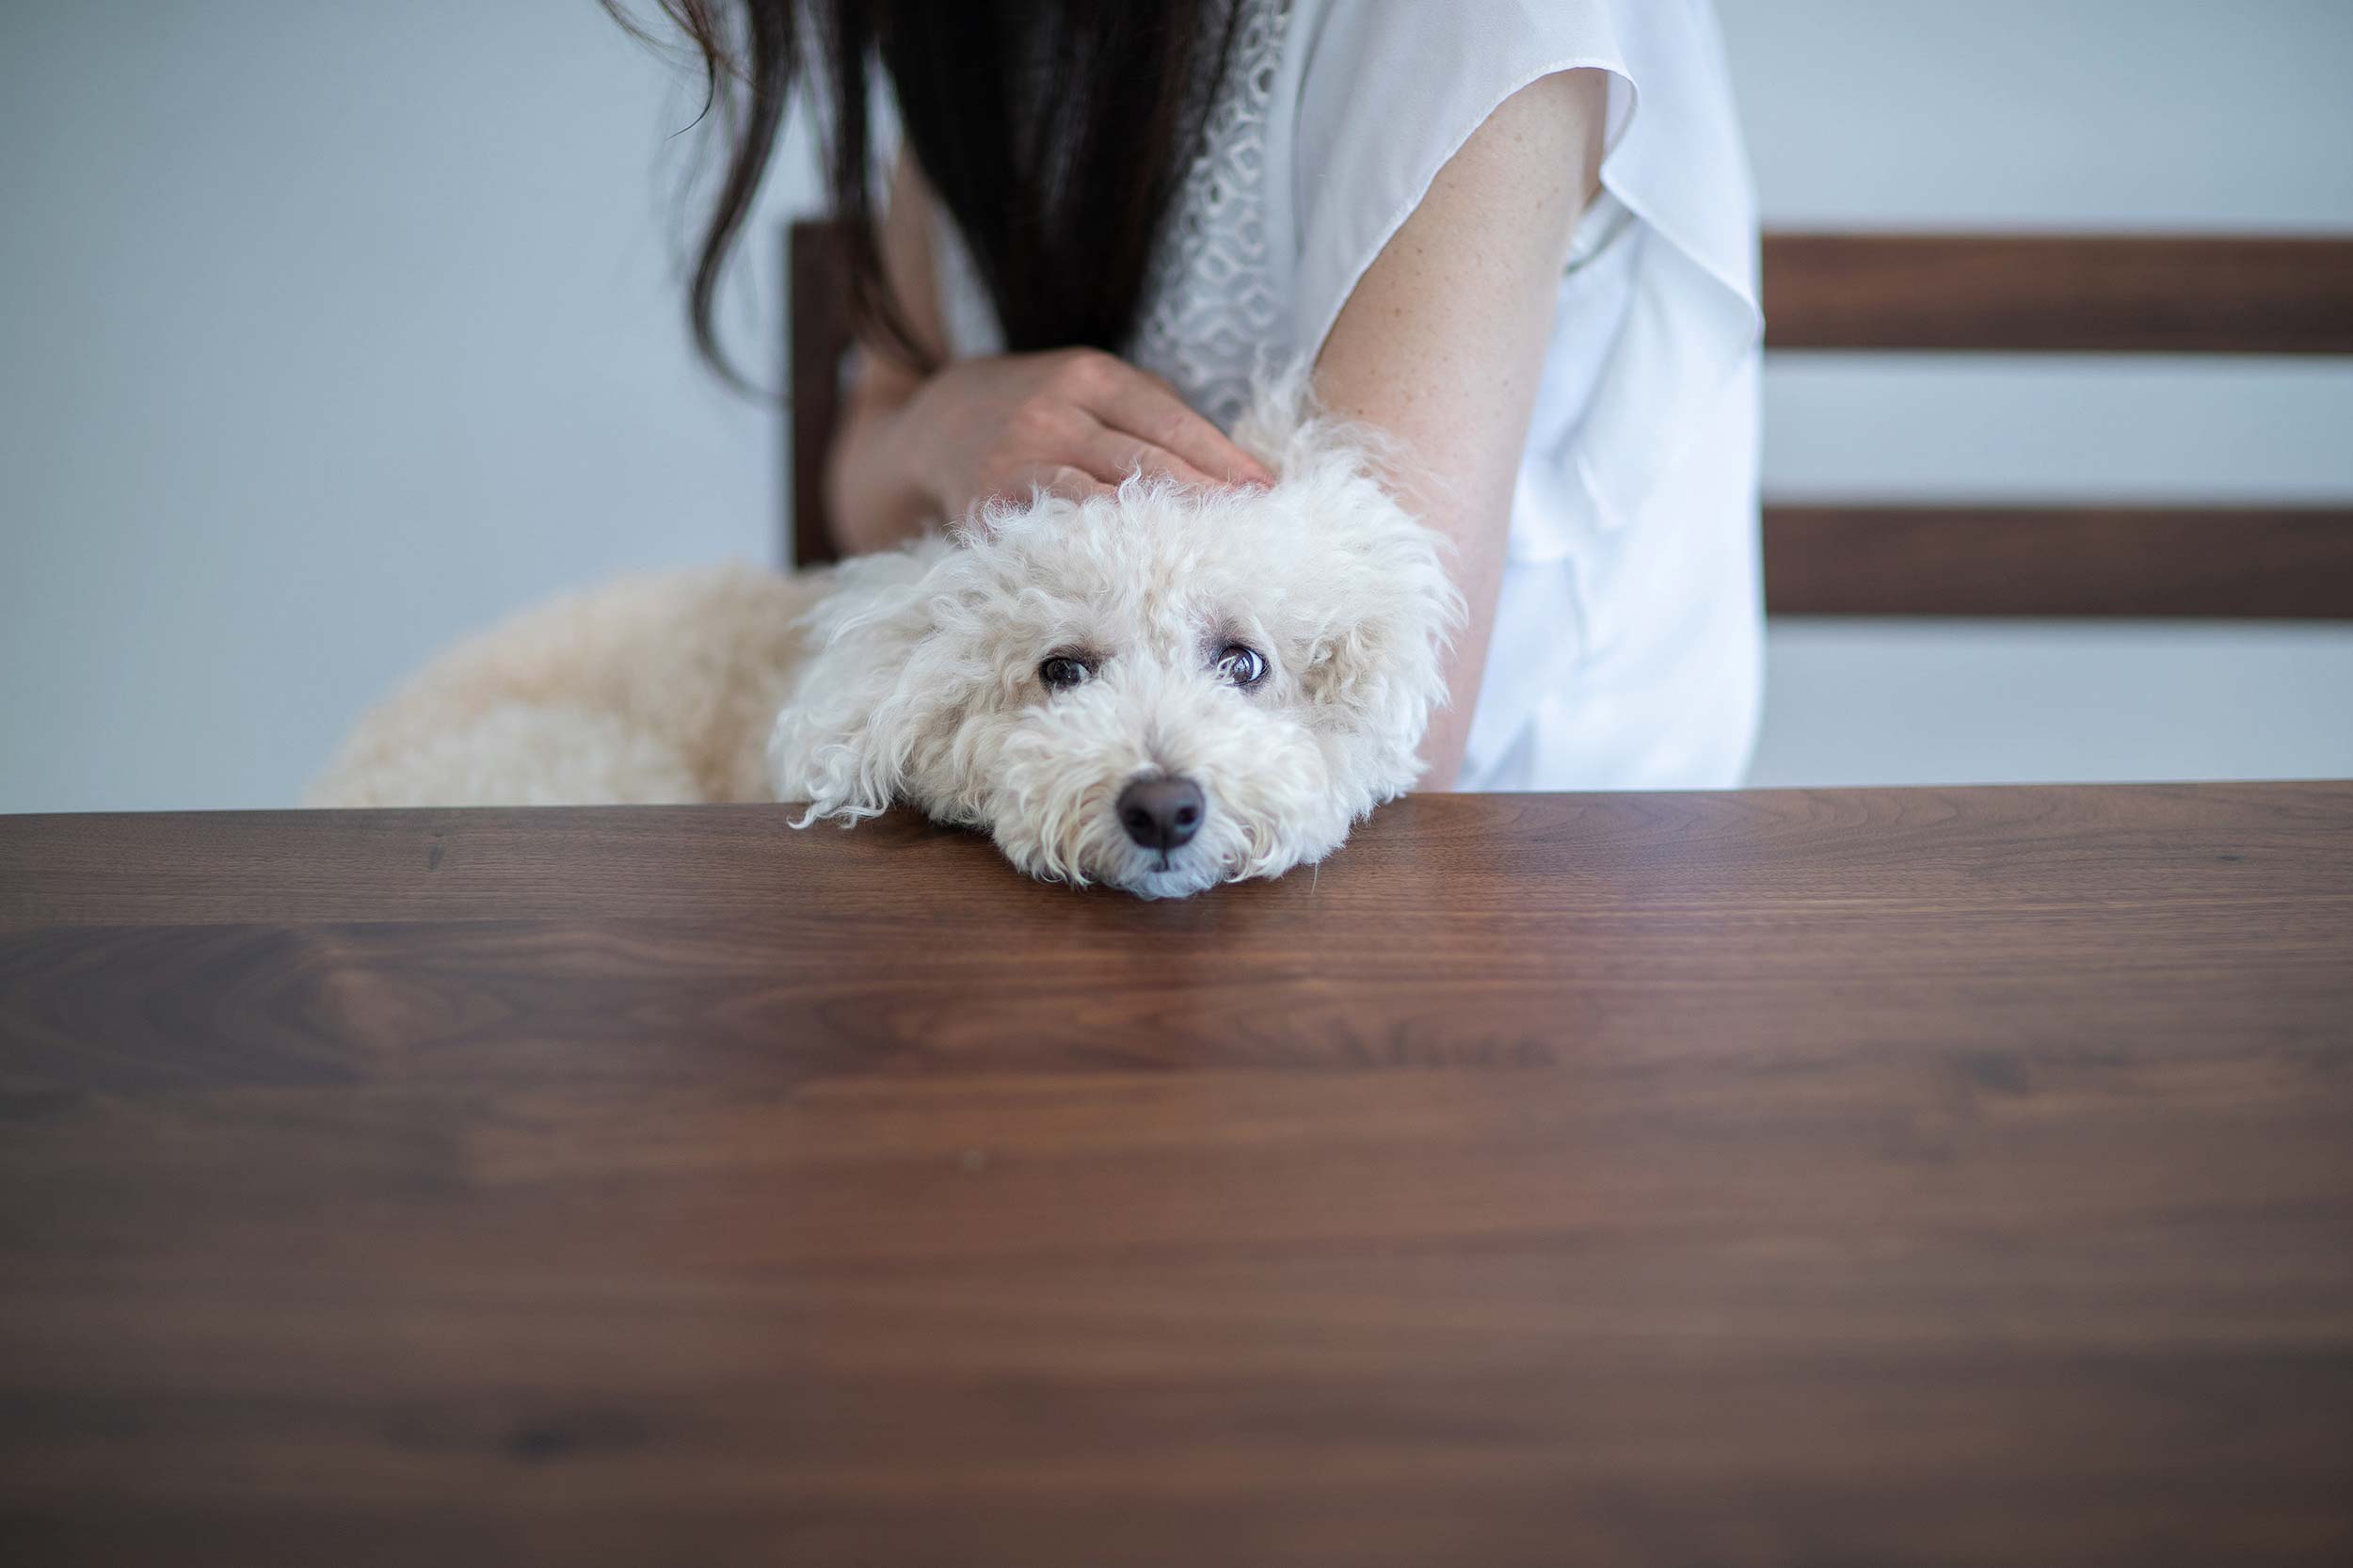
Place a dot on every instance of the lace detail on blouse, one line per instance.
(1213, 302)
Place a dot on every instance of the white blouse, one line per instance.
(1627, 648)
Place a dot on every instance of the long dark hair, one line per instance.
(1055, 133)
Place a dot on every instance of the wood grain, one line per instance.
(2010, 293)
(1938, 1176)
(2278, 562)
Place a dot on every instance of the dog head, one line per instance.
(1158, 690)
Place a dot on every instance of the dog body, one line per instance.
(1158, 690)
(650, 690)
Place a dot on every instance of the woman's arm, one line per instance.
(913, 448)
(1443, 342)
(872, 500)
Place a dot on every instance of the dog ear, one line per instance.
(1388, 605)
(866, 703)
(1378, 668)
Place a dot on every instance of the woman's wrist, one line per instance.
(879, 495)
(912, 434)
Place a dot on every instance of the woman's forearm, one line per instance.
(1442, 344)
(874, 497)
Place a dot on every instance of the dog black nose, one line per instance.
(1162, 813)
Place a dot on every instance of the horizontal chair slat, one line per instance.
(2252, 562)
(2155, 293)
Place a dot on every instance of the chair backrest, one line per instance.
(2017, 294)
(2059, 294)
(816, 352)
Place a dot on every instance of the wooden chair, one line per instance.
(2057, 294)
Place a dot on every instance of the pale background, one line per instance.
(329, 333)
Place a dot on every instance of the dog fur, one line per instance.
(915, 675)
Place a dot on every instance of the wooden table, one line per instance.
(1849, 1176)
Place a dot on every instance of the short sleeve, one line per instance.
(1387, 93)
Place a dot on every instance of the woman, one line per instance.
(1514, 235)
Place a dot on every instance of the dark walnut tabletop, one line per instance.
(1836, 1177)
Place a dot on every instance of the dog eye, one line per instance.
(1240, 665)
(1061, 672)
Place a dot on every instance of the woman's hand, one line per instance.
(1075, 422)
(914, 449)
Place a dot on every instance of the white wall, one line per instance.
(327, 332)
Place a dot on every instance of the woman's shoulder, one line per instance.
(1381, 96)
(1375, 98)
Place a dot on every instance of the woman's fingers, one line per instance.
(1111, 456)
(1146, 409)
(1060, 479)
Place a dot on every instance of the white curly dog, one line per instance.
(1157, 690)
